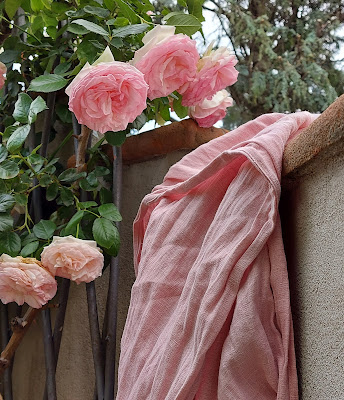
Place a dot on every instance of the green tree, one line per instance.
(285, 52)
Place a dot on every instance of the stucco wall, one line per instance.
(312, 211)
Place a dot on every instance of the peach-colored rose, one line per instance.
(167, 61)
(2, 73)
(76, 259)
(208, 112)
(25, 280)
(107, 96)
(215, 72)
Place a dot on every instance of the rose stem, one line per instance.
(97, 349)
(112, 299)
(19, 330)
(5, 335)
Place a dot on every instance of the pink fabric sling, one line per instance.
(210, 314)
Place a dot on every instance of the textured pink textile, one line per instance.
(210, 316)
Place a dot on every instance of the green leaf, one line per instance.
(129, 30)
(105, 195)
(17, 138)
(104, 232)
(47, 83)
(87, 204)
(52, 191)
(11, 6)
(3, 152)
(77, 29)
(36, 5)
(90, 183)
(21, 199)
(44, 229)
(66, 196)
(6, 202)
(10, 243)
(92, 27)
(74, 221)
(8, 169)
(180, 110)
(110, 211)
(45, 180)
(195, 8)
(36, 107)
(31, 237)
(184, 23)
(6, 222)
(30, 248)
(126, 10)
(71, 175)
(110, 4)
(98, 11)
(113, 250)
(62, 68)
(116, 138)
(21, 108)
(101, 171)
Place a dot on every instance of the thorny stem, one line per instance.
(19, 330)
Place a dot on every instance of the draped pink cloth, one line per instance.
(209, 316)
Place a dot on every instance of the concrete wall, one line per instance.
(312, 214)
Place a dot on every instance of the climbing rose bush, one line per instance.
(107, 96)
(167, 61)
(208, 112)
(25, 280)
(76, 259)
(215, 71)
(2, 74)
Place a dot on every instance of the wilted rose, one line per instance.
(76, 259)
(208, 112)
(106, 96)
(2, 73)
(215, 72)
(25, 280)
(167, 61)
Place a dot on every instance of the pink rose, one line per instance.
(75, 259)
(2, 73)
(25, 280)
(215, 72)
(208, 112)
(107, 96)
(167, 61)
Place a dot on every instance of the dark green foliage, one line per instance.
(286, 55)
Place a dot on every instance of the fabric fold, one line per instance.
(209, 316)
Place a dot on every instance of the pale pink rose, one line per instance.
(215, 72)
(107, 96)
(167, 61)
(25, 280)
(75, 259)
(2, 73)
(208, 112)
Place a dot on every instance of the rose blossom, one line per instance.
(25, 280)
(215, 72)
(167, 61)
(208, 112)
(2, 73)
(106, 96)
(76, 259)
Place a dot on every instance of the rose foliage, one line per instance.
(68, 67)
